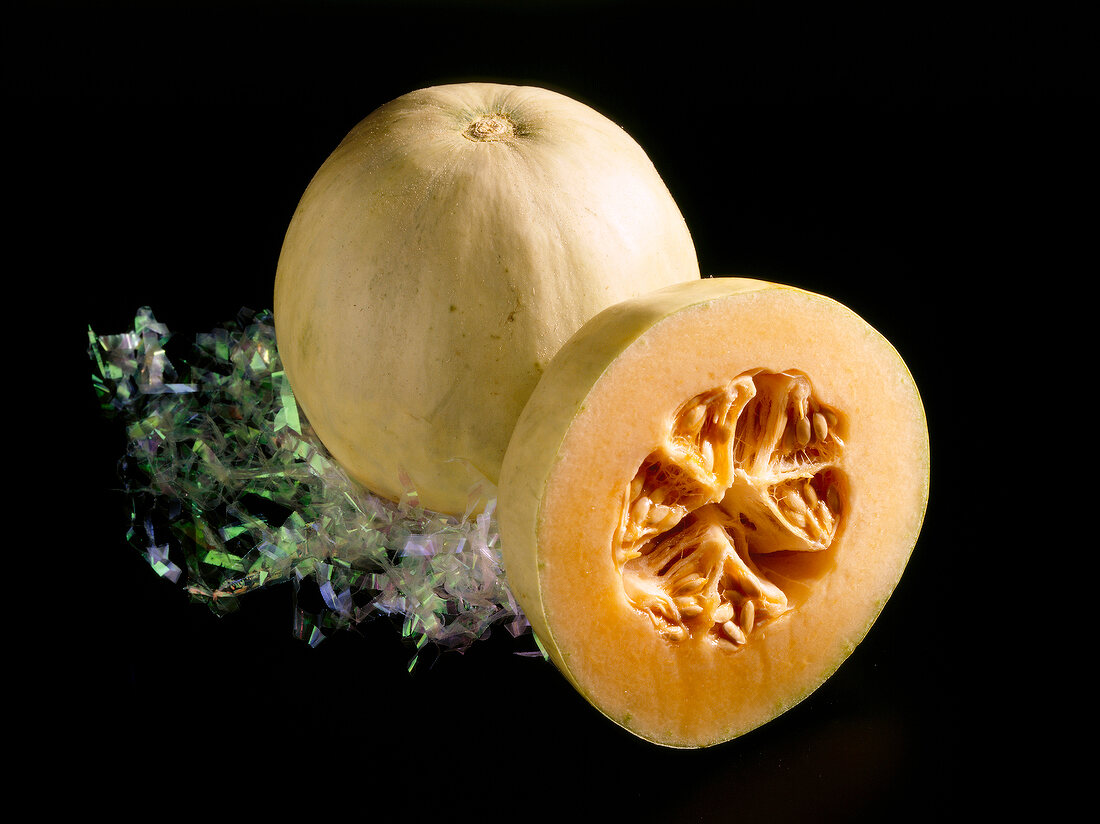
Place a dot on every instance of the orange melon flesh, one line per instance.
(607, 400)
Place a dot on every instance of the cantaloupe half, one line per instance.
(707, 501)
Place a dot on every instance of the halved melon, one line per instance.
(707, 501)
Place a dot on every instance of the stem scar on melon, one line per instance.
(707, 501)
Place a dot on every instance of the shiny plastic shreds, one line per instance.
(232, 491)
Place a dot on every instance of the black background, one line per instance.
(919, 165)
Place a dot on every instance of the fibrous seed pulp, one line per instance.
(747, 469)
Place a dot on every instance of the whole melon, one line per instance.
(440, 257)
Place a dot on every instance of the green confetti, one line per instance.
(223, 559)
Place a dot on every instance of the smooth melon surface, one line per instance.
(440, 257)
(666, 646)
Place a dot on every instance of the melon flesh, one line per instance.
(707, 501)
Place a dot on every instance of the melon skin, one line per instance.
(438, 259)
(602, 404)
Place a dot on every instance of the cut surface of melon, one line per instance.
(707, 501)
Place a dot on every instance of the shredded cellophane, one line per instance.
(232, 491)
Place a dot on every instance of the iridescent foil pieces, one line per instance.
(222, 461)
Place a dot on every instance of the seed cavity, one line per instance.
(746, 470)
